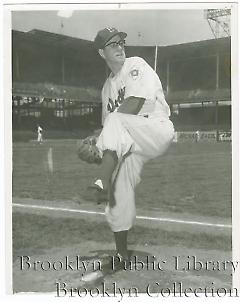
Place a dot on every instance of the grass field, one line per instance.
(190, 180)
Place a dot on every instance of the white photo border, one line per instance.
(6, 121)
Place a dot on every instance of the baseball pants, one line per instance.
(136, 139)
(39, 139)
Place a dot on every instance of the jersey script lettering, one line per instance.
(112, 105)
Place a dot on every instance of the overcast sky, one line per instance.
(144, 27)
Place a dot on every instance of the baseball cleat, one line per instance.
(116, 263)
(96, 192)
(120, 263)
(92, 277)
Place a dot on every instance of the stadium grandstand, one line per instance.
(57, 80)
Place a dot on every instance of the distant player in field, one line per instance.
(39, 134)
(197, 136)
(136, 128)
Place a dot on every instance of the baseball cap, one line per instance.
(106, 34)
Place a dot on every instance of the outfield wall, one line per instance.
(202, 136)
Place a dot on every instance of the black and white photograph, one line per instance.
(122, 122)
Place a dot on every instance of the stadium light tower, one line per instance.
(219, 21)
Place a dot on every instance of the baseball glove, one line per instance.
(88, 151)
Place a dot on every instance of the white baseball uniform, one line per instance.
(39, 130)
(135, 138)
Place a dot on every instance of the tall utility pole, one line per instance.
(155, 58)
(62, 52)
(63, 14)
(219, 22)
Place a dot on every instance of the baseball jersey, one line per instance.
(137, 79)
(39, 130)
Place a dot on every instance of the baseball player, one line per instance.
(39, 131)
(197, 136)
(136, 128)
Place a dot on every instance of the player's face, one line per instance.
(114, 50)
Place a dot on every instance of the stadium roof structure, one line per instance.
(50, 39)
(178, 51)
(76, 47)
(197, 49)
